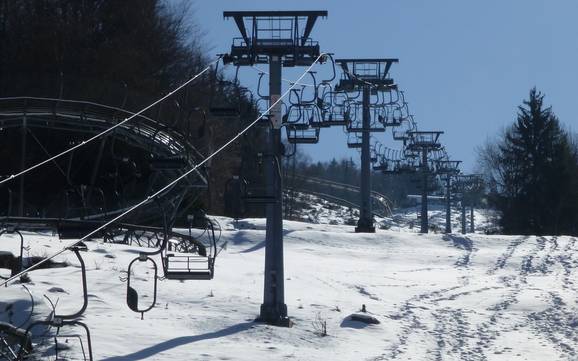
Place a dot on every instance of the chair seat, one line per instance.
(188, 275)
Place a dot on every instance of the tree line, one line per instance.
(125, 54)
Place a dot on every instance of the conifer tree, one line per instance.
(534, 172)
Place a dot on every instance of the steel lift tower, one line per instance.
(424, 142)
(470, 187)
(448, 168)
(277, 38)
(367, 76)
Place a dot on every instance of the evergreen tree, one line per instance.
(533, 171)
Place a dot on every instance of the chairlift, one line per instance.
(132, 296)
(356, 124)
(185, 265)
(189, 266)
(374, 152)
(354, 140)
(296, 135)
(374, 127)
(400, 135)
(395, 117)
(257, 194)
(313, 99)
(447, 166)
(218, 105)
(313, 117)
(14, 269)
(407, 167)
(425, 139)
(337, 111)
(261, 96)
(396, 100)
(191, 263)
(384, 165)
(294, 116)
(63, 322)
(323, 100)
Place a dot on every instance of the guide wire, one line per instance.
(85, 142)
(157, 193)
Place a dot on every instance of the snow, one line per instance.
(437, 297)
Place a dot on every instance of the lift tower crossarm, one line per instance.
(283, 35)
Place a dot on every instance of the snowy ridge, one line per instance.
(438, 297)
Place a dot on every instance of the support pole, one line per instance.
(448, 204)
(424, 220)
(274, 309)
(22, 164)
(365, 222)
(95, 168)
(472, 220)
(463, 217)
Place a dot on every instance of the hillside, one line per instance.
(438, 297)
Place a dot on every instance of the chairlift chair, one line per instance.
(256, 194)
(395, 117)
(314, 117)
(407, 166)
(338, 113)
(223, 109)
(383, 165)
(419, 140)
(356, 125)
(15, 268)
(132, 296)
(297, 135)
(199, 266)
(64, 321)
(295, 117)
(182, 266)
(354, 140)
(218, 106)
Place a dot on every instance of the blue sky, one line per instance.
(465, 65)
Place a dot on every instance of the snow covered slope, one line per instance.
(438, 297)
(313, 209)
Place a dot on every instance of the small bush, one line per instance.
(320, 325)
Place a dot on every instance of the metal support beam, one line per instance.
(472, 228)
(274, 309)
(365, 222)
(463, 217)
(424, 207)
(24, 134)
(448, 204)
(95, 169)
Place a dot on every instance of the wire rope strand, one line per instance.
(172, 183)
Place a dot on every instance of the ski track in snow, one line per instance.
(457, 337)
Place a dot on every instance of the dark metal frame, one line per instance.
(366, 77)
(281, 44)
